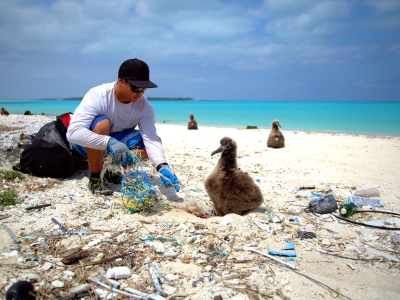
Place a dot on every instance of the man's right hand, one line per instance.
(120, 152)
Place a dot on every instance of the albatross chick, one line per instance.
(230, 189)
(276, 138)
(4, 112)
(192, 124)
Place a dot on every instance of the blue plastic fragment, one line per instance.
(289, 246)
(289, 250)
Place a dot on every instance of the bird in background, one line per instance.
(276, 138)
(230, 189)
(192, 124)
(4, 112)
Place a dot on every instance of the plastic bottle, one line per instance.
(364, 201)
(118, 272)
(371, 192)
(347, 210)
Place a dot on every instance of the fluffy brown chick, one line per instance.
(230, 189)
(276, 138)
(192, 124)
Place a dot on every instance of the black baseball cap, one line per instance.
(137, 72)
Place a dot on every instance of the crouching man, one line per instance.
(115, 118)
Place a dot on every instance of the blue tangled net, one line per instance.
(138, 193)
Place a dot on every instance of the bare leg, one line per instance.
(141, 153)
(95, 157)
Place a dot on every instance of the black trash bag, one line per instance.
(49, 154)
(21, 290)
(324, 205)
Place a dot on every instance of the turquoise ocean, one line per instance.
(366, 118)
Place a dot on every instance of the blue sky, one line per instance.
(286, 50)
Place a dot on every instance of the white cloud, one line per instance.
(395, 49)
(383, 6)
(385, 13)
(323, 18)
(211, 29)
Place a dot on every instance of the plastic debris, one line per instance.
(62, 227)
(371, 192)
(307, 187)
(383, 254)
(166, 224)
(390, 221)
(37, 206)
(395, 238)
(306, 235)
(156, 280)
(82, 231)
(137, 192)
(348, 209)
(324, 205)
(17, 240)
(365, 201)
(304, 193)
(118, 272)
(289, 250)
(132, 293)
(270, 256)
(262, 224)
(160, 275)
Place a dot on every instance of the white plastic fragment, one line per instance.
(380, 253)
(34, 278)
(170, 253)
(97, 281)
(79, 289)
(57, 283)
(261, 223)
(47, 266)
(169, 290)
(226, 220)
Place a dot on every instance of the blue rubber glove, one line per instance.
(120, 152)
(168, 178)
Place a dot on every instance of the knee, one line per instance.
(103, 127)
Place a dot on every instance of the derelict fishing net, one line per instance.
(138, 193)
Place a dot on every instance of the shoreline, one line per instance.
(289, 131)
(161, 123)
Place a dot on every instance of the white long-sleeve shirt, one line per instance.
(101, 100)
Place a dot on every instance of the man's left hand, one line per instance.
(168, 178)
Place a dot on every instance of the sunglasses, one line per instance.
(136, 89)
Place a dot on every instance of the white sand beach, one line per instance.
(205, 257)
